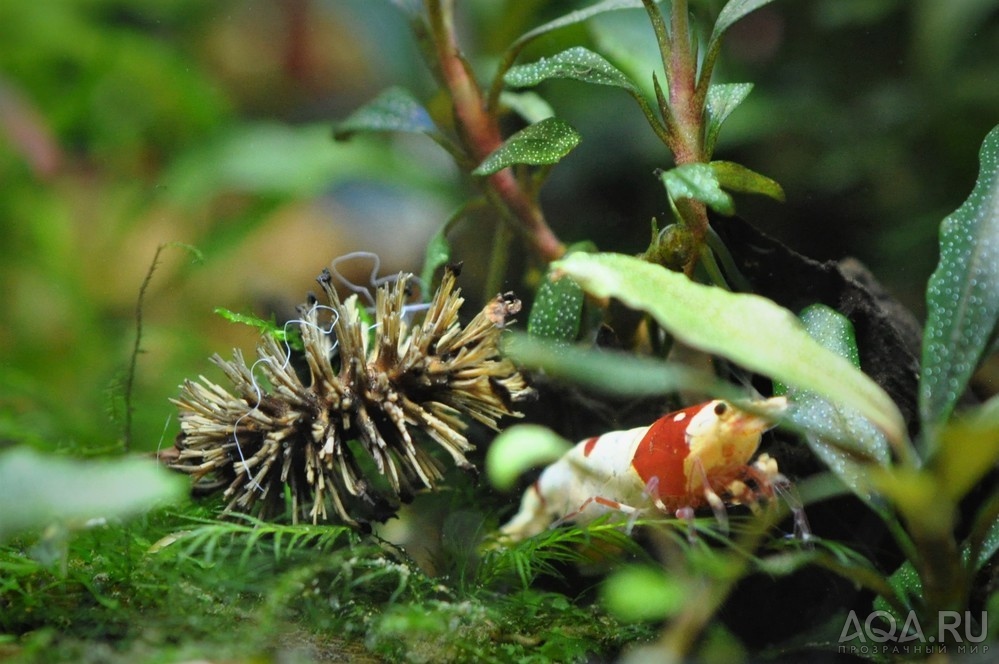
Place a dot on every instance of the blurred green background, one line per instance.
(125, 125)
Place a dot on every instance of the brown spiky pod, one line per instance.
(352, 434)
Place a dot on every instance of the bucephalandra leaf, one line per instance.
(576, 63)
(611, 371)
(722, 99)
(545, 142)
(962, 296)
(748, 329)
(969, 448)
(529, 105)
(700, 183)
(395, 109)
(557, 311)
(736, 177)
(848, 443)
(577, 16)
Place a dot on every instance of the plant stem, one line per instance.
(479, 131)
(497, 261)
(682, 110)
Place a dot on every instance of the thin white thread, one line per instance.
(284, 365)
(374, 281)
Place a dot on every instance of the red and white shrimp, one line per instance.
(685, 460)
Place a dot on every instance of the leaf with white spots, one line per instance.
(845, 440)
(557, 311)
(748, 329)
(722, 99)
(700, 183)
(576, 63)
(577, 16)
(962, 297)
(545, 142)
(395, 109)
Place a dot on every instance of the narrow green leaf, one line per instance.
(543, 143)
(557, 311)
(520, 448)
(846, 441)
(722, 99)
(699, 182)
(37, 490)
(962, 297)
(576, 63)
(268, 326)
(577, 16)
(747, 329)
(907, 585)
(395, 109)
(733, 11)
(989, 546)
(736, 177)
(612, 372)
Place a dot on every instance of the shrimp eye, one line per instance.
(720, 408)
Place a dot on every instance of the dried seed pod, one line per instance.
(352, 435)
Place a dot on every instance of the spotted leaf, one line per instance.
(962, 297)
(576, 63)
(545, 142)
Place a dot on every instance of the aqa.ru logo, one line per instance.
(948, 623)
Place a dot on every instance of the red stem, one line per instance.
(480, 134)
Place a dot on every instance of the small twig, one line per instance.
(134, 358)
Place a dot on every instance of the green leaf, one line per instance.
(577, 16)
(846, 441)
(907, 585)
(557, 310)
(281, 333)
(543, 143)
(736, 177)
(438, 253)
(722, 99)
(37, 490)
(395, 109)
(576, 63)
(969, 448)
(639, 593)
(699, 182)
(438, 250)
(747, 329)
(612, 372)
(528, 105)
(520, 448)
(733, 11)
(962, 297)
